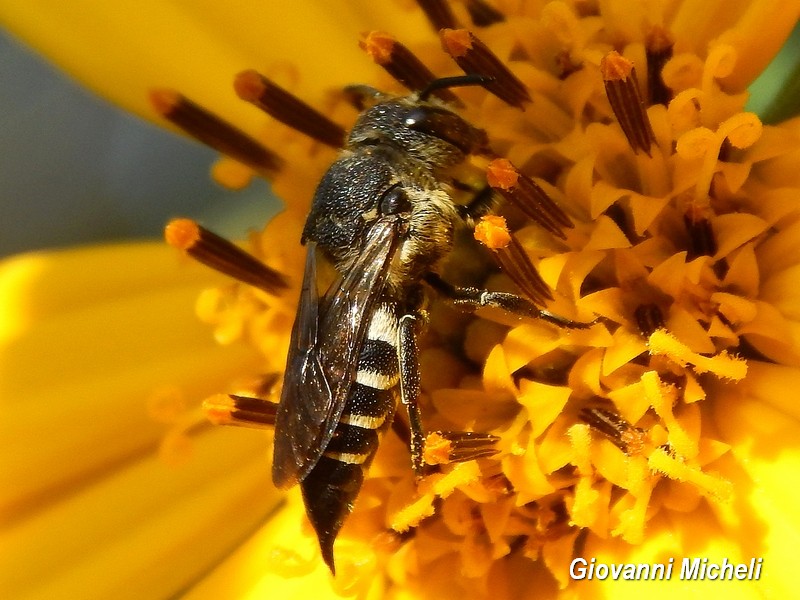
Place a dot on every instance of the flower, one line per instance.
(663, 430)
(90, 505)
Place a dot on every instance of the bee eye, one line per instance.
(415, 118)
(394, 201)
(446, 126)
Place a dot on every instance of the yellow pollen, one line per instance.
(717, 488)
(502, 174)
(182, 233)
(378, 45)
(722, 365)
(580, 439)
(437, 449)
(634, 440)
(584, 510)
(492, 231)
(461, 474)
(457, 42)
(438, 485)
(615, 67)
(218, 409)
(412, 514)
(662, 398)
(639, 477)
(632, 519)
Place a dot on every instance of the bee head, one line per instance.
(426, 131)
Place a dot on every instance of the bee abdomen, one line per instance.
(332, 485)
(328, 493)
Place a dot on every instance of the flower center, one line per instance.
(623, 206)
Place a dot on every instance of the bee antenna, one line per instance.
(456, 81)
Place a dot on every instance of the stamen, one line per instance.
(483, 14)
(211, 130)
(565, 65)
(402, 64)
(623, 435)
(436, 450)
(658, 47)
(244, 411)
(443, 447)
(512, 258)
(525, 194)
(259, 91)
(439, 13)
(648, 318)
(222, 255)
(701, 237)
(622, 89)
(473, 56)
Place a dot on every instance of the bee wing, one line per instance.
(323, 356)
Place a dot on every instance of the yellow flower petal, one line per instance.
(79, 341)
(262, 565)
(145, 45)
(144, 530)
(77, 372)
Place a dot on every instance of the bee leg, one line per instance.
(438, 447)
(482, 203)
(409, 387)
(476, 298)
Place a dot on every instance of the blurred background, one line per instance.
(74, 169)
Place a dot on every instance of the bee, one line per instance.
(385, 217)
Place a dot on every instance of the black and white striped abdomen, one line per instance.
(372, 400)
(333, 484)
